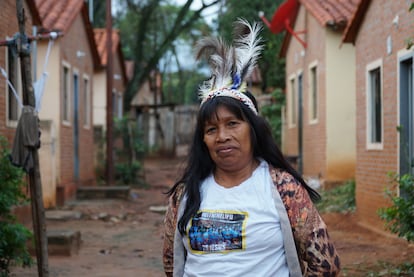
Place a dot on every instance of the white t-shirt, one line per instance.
(237, 231)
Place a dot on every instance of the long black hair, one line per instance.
(200, 165)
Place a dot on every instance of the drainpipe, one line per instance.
(34, 55)
(300, 125)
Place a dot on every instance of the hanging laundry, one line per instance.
(27, 139)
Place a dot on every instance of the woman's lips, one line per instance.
(224, 150)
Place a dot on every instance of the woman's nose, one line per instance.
(222, 134)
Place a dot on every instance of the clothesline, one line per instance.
(51, 35)
(39, 85)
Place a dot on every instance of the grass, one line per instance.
(340, 199)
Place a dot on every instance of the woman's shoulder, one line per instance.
(177, 193)
(282, 177)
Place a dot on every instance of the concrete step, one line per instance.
(62, 215)
(103, 192)
(61, 243)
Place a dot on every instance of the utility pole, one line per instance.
(109, 85)
(35, 184)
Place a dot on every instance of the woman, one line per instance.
(239, 208)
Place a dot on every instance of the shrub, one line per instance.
(399, 217)
(273, 113)
(339, 199)
(13, 236)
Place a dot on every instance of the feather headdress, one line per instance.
(232, 64)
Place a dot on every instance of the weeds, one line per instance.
(340, 199)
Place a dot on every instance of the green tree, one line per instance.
(13, 236)
(150, 28)
(99, 13)
(272, 67)
(272, 113)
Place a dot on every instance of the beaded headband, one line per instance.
(230, 64)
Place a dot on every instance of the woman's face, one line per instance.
(228, 140)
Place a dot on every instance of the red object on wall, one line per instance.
(283, 18)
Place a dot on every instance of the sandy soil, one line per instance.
(124, 238)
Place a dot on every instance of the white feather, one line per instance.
(248, 48)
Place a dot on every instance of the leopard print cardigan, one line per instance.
(316, 252)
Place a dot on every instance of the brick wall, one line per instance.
(8, 28)
(371, 45)
(314, 134)
(75, 39)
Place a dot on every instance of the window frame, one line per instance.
(18, 86)
(313, 93)
(86, 93)
(292, 99)
(371, 67)
(66, 90)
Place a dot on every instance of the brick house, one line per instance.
(384, 97)
(100, 92)
(119, 78)
(10, 111)
(67, 115)
(319, 127)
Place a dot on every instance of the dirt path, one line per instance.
(124, 238)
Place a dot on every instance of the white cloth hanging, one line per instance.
(39, 85)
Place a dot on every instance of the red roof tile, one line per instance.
(332, 13)
(100, 39)
(58, 15)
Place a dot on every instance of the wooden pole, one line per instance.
(109, 85)
(38, 212)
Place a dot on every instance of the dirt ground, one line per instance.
(124, 238)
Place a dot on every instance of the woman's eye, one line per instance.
(210, 130)
(232, 123)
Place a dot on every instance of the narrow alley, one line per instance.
(124, 237)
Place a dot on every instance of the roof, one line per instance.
(352, 29)
(333, 14)
(58, 15)
(101, 40)
(35, 13)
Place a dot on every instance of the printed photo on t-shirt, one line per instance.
(217, 231)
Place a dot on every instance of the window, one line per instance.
(13, 72)
(374, 105)
(114, 103)
(66, 95)
(86, 102)
(120, 105)
(313, 93)
(292, 102)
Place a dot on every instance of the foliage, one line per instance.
(149, 29)
(339, 199)
(182, 86)
(381, 269)
(271, 66)
(99, 14)
(273, 113)
(130, 150)
(409, 42)
(13, 236)
(126, 173)
(399, 217)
